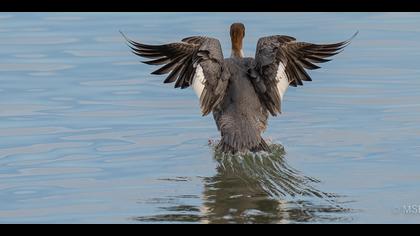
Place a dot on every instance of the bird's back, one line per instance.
(241, 95)
(240, 116)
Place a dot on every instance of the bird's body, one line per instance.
(240, 92)
(240, 117)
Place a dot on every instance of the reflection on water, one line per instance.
(87, 135)
(255, 188)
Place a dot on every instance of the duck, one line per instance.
(240, 92)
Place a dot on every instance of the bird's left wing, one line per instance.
(195, 61)
(280, 62)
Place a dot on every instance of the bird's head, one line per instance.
(237, 34)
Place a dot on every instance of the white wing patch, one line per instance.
(198, 81)
(283, 81)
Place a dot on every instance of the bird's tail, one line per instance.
(225, 147)
(240, 134)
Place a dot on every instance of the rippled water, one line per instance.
(88, 136)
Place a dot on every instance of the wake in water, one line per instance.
(268, 173)
(255, 188)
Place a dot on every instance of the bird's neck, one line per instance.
(237, 51)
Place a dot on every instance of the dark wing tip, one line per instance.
(354, 35)
(125, 37)
(129, 41)
(348, 41)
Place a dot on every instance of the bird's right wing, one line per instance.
(196, 61)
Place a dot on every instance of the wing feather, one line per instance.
(281, 56)
(196, 61)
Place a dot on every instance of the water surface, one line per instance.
(88, 136)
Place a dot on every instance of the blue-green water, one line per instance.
(88, 136)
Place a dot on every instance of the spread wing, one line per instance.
(281, 61)
(195, 61)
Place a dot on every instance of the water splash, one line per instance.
(269, 172)
(256, 188)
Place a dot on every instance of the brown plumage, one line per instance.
(237, 34)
